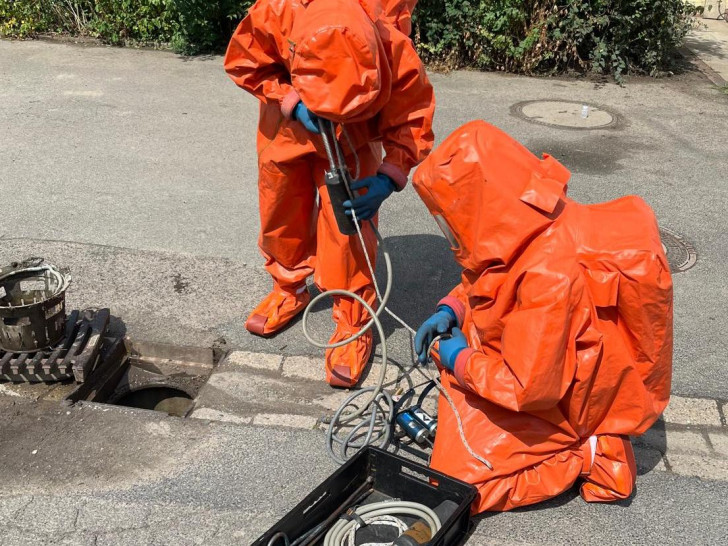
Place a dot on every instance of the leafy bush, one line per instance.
(206, 26)
(24, 18)
(528, 36)
(114, 21)
(139, 21)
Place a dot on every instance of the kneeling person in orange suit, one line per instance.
(347, 62)
(560, 342)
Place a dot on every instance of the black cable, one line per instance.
(278, 535)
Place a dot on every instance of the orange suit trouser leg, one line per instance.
(287, 201)
(340, 259)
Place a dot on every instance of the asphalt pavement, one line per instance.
(107, 475)
(137, 170)
(153, 154)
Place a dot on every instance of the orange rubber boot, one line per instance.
(276, 310)
(344, 365)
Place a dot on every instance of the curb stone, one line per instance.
(691, 438)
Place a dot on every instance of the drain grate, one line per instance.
(681, 254)
(565, 114)
(74, 356)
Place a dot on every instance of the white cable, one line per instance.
(61, 281)
(341, 417)
(390, 521)
(338, 534)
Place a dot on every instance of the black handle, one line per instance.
(337, 196)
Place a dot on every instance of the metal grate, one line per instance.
(74, 356)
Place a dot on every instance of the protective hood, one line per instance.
(339, 68)
(490, 192)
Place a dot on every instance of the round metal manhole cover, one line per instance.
(680, 254)
(565, 114)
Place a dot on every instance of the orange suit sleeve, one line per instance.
(254, 60)
(457, 300)
(405, 122)
(531, 369)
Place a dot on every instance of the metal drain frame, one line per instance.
(616, 123)
(691, 255)
(125, 354)
(74, 357)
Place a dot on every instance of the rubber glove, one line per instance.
(379, 187)
(306, 117)
(439, 323)
(450, 348)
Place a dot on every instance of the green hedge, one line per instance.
(114, 21)
(188, 26)
(542, 36)
(549, 36)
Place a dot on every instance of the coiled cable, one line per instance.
(370, 413)
(343, 532)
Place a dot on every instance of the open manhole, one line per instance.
(150, 376)
(565, 114)
(170, 400)
(680, 254)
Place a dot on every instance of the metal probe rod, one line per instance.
(311, 536)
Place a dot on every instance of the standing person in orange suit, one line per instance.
(560, 343)
(348, 62)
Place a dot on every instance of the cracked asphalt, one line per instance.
(137, 170)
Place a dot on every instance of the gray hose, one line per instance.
(377, 393)
(338, 534)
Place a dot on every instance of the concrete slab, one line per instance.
(692, 411)
(709, 41)
(285, 420)
(719, 441)
(216, 415)
(671, 441)
(261, 361)
(304, 367)
(235, 392)
(700, 466)
(648, 459)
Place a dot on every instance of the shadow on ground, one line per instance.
(424, 271)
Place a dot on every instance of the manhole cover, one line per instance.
(564, 113)
(680, 254)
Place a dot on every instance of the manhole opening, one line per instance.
(162, 378)
(169, 400)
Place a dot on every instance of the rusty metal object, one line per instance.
(74, 356)
(32, 306)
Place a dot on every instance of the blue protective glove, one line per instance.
(306, 117)
(450, 348)
(439, 323)
(379, 187)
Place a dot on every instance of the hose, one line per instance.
(343, 533)
(371, 411)
(280, 535)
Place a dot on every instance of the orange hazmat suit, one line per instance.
(567, 311)
(348, 62)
